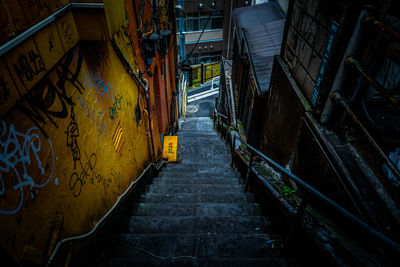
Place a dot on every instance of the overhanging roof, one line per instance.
(260, 29)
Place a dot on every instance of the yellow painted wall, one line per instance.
(70, 142)
(17, 16)
(93, 150)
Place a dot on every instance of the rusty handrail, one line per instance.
(355, 64)
(375, 234)
(382, 27)
(340, 100)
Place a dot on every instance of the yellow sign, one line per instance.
(170, 148)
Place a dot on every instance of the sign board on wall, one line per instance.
(170, 148)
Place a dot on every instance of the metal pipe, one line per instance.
(139, 81)
(232, 99)
(354, 63)
(340, 74)
(248, 171)
(149, 117)
(378, 236)
(229, 28)
(296, 220)
(382, 27)
(340, 100)
(233, 149)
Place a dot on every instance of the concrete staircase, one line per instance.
(195, 213)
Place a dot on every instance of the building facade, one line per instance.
(212, 16)
(330, 115)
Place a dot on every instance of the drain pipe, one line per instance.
(340, 74)
(232, 102)
(146, 89)
(139, 81)
(229, 33)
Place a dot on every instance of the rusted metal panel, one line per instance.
(262, 27)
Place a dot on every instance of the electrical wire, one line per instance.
(201, 34)
(163, 258)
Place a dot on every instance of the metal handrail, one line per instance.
(378, 236)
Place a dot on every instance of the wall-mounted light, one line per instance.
(201, 6)
(211, 46)
(199, 47)
(179, 13)
(205, 47)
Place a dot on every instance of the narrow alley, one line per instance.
(199, 133)
(195, 213)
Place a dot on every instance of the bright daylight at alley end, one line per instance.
(200, 133)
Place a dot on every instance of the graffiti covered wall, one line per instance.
(62, 147)
(74, 130)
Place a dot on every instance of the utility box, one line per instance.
(170, 148)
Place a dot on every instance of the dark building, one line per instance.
(207, 44)
(327, 109)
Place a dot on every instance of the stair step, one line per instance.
(197, 225)
(197, 209)
(141, 246)
(197, 175)
(197, 170)
(187, 198)
(202, 134)
(196, 165)
(191, 262)
(209, 180)
(194, 188)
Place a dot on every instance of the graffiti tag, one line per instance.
(20, 156)
(87, 173)
(116, 106)
(46, 95)
(95, 114)
(72, 136)
(28, 66)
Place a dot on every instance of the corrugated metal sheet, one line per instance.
(262, 27)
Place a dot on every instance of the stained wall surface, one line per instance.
(74, 128)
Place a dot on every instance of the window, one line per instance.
(197, 20)
(196, 59)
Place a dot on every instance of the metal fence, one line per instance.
(199, 74)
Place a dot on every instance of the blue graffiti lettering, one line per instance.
(116, 106)
(19, 153)
(95, 80)
(96, 116)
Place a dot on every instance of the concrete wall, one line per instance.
(74, 126)
(316, 32)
